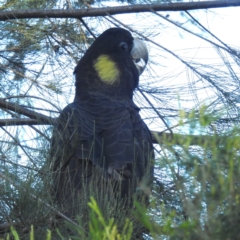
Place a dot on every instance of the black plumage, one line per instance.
(100, 144)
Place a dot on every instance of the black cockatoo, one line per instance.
(100, 146)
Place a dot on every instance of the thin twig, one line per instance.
(19, 144)
(86, 26)
(155, 110)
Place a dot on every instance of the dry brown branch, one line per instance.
(40, 119)
(28, 113)
(94, 12)
(23, 122)
(158, 137)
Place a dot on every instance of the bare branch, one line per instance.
(158, 137)
(28, 113)
(79, 13)
(23, 122)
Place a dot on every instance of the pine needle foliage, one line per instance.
(191, 100)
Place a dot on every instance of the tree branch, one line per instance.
(158, 137)
(25, 121)
(94, 12)
(28, 113)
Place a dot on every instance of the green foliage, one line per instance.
(196, 193)
(99, 228)
(204, 169)
(198, 199)
(102, 230)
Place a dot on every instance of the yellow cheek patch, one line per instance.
(106, 69)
